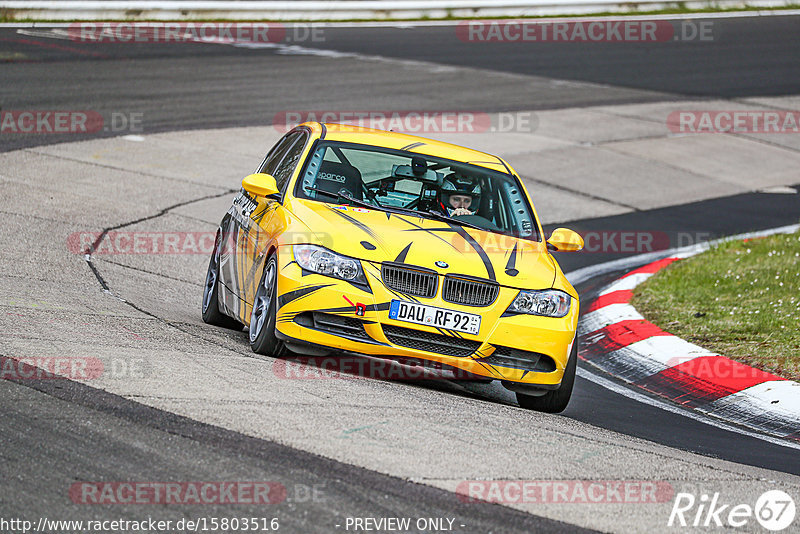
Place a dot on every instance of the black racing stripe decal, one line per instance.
(261, 211)
(482, 253)
(512, 262)
(401, 258)
(363, 287)
(356, 223)
(503, 163)
(286, 298)
(488, 367)
(412, 146)
(250, 279)
(431, 231)
(482, 360)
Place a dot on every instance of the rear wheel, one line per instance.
(210, 309)
(262, 318)
(554, 401)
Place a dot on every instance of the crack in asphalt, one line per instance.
(141, 270)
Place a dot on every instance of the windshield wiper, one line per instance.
(446, 218)
(342, 195)
(436, 215)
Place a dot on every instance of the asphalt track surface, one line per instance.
(186, 87)
(180, 87)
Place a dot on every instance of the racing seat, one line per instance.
(334, 176)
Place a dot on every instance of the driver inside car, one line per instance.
(460, 195)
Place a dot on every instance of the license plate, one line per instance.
(411, 312)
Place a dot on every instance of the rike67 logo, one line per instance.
(774, 510)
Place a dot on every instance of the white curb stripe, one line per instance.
(775, 395)
(629, 282)
(608, 315)
(668, 351)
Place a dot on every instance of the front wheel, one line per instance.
(262, 318)
(554, 401)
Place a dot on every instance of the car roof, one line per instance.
(412, 143)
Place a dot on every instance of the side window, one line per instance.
(286, 167)
(276, 154)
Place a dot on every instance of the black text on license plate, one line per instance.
(412, 312)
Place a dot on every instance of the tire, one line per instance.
(262, 318)
(554, 401)
(210, 306)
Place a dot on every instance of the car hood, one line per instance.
(379, 236)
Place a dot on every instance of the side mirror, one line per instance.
(260, 184)
(565, 240)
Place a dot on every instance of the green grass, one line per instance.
(8, 15)
(740, 299)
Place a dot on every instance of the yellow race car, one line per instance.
(395, 246)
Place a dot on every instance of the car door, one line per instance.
(254, 234)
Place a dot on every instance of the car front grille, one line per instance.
(410, 280)
(470, 292)
(430, 342)
(520, 359)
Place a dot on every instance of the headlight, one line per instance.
(549, 303)
(323, 261)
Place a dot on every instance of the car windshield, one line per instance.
(430, 187)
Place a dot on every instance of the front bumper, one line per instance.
(328, 312)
